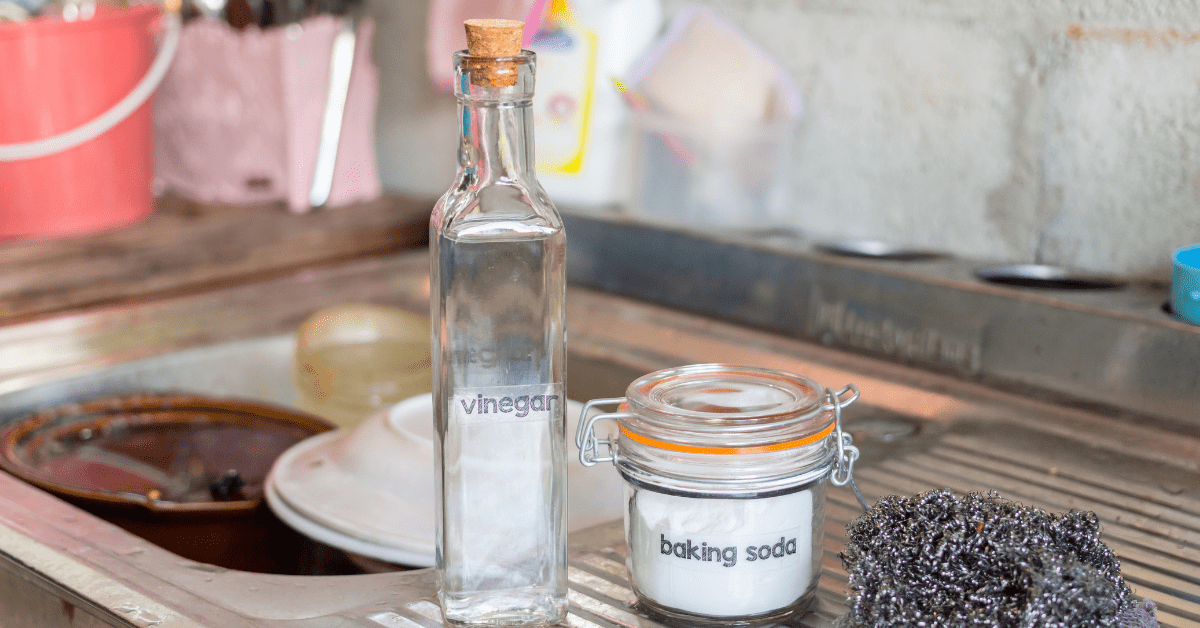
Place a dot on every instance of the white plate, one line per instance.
(370, 490)
(345, 542)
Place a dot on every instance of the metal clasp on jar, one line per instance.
(843, 470)
(585, 436)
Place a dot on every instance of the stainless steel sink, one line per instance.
(60, 566)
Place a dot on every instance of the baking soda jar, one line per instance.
(725, 470)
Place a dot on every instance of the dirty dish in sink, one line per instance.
(169, 453)
(184, 472)
(370, 490)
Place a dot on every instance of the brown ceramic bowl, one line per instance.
(182, 471)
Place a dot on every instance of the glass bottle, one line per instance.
(499, 349)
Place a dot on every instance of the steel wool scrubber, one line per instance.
(943, 560)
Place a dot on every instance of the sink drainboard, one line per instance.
(1153, 529)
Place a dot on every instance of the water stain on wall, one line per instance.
(1013, 207)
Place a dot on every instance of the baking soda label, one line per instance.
(727, 555)
(507, 404)
(781, 549)
(721, 557)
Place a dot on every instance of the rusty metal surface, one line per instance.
(918, 430)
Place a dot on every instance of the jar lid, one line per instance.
(726, 409)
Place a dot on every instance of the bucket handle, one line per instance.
(110, 118)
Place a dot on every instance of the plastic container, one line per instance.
(582, 121)
(57, 76)
(689, 174)
(713, 127)
(354, 360)
(725, 470)
(1185, 283)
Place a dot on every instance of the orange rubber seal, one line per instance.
(690, 449)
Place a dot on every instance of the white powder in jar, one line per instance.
(720, 557)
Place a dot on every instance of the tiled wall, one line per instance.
(1058, 131)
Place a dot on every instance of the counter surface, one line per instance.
(187, 246)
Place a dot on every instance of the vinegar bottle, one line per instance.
(499, 349)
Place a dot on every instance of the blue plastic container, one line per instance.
(1185, 283)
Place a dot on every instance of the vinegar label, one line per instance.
(508, 404)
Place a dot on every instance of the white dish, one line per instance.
(333, 538)
(370, 490)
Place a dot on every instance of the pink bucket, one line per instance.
(60, 76)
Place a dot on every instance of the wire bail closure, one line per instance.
(585, 436)
(843, 471)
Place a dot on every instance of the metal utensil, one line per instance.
(13, 12)
(210, 9)
(340, 66)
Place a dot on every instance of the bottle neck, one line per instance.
(496, 121)
(495, 142)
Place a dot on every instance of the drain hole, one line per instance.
(1046, 277)
(875, 249)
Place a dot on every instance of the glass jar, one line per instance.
(725, 470)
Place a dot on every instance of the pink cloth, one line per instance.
(239, 114)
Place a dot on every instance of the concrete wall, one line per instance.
(1057, 131)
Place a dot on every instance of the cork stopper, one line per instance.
(493, 39)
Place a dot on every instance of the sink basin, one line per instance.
(61, 566)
